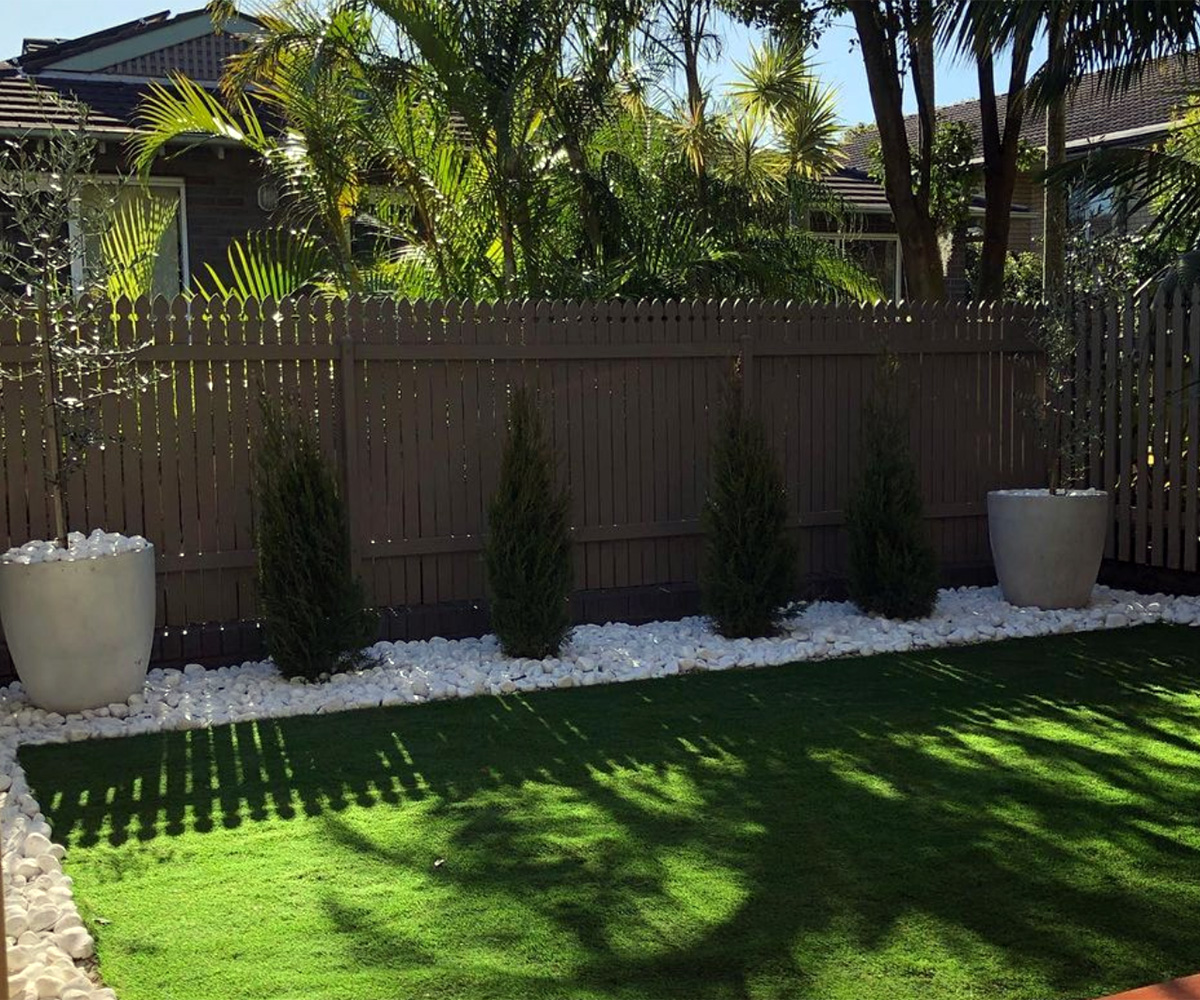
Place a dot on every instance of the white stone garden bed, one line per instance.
(48, 945)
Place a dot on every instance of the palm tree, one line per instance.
(1119, 39)
(780, 89)
(484, 148)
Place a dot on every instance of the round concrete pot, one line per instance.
(1047, 547)
(80, 632)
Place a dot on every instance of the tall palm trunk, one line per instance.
(588, 210)
(508, 247)
(1054, 233)
(53, 447)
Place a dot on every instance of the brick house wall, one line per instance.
(222, 203)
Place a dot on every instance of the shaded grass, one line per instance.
(1014, 820)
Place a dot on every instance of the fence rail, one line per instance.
(410, 401)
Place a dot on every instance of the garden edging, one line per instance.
(52, 946)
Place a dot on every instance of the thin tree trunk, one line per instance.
(920, 32)
(529, 248)
(1054, 235)
(53, 437)
(508, 249)
(690, 36)
(918, 235)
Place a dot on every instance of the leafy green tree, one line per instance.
(1120, 39)
(499, 148)
(893, 569)
(527, 553)
(749, 558)
(311, 604)
(55, 211)
(953, 178)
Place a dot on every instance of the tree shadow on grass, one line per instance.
(1020, 814)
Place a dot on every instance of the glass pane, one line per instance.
(878, 258)
(101, 202)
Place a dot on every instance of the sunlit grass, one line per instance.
(1009, 821)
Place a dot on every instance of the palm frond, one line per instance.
(132, 241)
(186, 110)
(776, 79)
(265, 264)
(751, 163)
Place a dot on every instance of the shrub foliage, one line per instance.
(749, 559)
(311, 603)
(893, 569)
(527, 555)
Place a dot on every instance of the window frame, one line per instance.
(179, 184)
(898, 276)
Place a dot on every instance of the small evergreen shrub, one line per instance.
(311, 603)
(893, 568)
(527, 554)
(749, 559)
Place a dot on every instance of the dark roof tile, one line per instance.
(25, 105)
(1090, 111)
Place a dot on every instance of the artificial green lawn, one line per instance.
(1016, 820)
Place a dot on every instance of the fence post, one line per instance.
(349, 442)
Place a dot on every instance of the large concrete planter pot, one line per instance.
(1047, 547)
(80, 632)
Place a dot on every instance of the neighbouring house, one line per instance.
(219, 190)
(1139, 117)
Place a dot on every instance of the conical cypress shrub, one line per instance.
(749, 559)
(311, 604)
(893, 568)
(527, 555)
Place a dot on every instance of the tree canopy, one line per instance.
(501, 148)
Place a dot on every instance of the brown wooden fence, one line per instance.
(1138, 381)
(410, 400)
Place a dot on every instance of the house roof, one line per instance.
(865, 195)
(29, 105)
(1093, 118)
(35, 45)
(108, 70)
(858, 190)
(41, 55)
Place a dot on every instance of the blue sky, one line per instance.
(839, 64)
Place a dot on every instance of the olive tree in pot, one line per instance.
(77, 610)
(1047, 543)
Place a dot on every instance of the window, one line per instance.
(878, 254)
(111, 194)
(1098, 212)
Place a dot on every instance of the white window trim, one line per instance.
(180, 185)
(898, 277)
